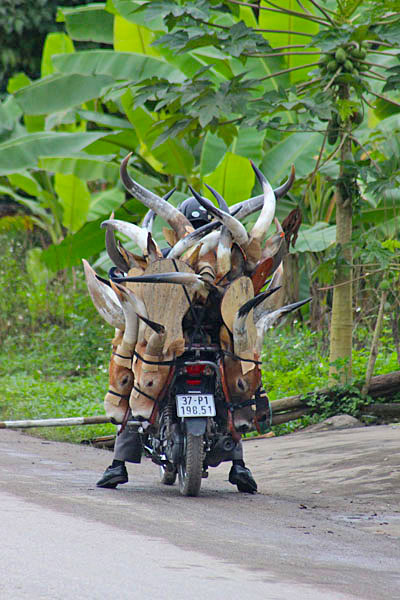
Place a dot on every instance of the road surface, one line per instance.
(325, 524)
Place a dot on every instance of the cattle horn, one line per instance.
(157, 327)
(156, 341)
(172, 277)
(148, 219)
(221, 201)
(104, 298)
(239, 329)
(236, 228)
(129, 306)
(166, 211)
(225, 239)
(113, 252)
(269, 318)
(191, 239)
(252, 205)
(267, 214)
(132, 231)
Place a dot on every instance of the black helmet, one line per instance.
(194, 212)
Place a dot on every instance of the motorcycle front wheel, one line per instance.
(191, 466)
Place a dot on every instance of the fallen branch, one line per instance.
(278, 419)
(382, 410)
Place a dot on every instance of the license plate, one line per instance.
(195, 405)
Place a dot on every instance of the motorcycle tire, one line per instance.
(167, 477)
(191, 467)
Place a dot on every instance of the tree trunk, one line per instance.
(342, 310)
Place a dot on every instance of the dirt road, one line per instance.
(325, 524)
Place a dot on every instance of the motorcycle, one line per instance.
(193, 429)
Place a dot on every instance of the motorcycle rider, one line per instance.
(128, 446)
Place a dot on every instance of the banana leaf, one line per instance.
(21, 153)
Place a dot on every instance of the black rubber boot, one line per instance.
(113, 476)
(242, 477)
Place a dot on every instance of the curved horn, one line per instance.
(133, 232)
(247, 207)
(155, 344)
(269, 318)
(239, 328)
(148, 219)
(237, 230)
(134, 301)
(267, 214)
(157, 327)
(221, 201)
(225, 239)
(156, 341)
(209, 242)
(113, 252)
(197, 281)
(283, 189)
(224, 262)
(191, 239)
(104, 298)
(166, 211)
(131, 318)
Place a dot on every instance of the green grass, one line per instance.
(56, 373)
(296, 361)
(54, 349)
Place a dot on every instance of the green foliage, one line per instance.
(295, 361)
(55, 348)
(31, 299)
(23, 28)
(341, 400)
(35, 397)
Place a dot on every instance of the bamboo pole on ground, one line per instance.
(65, 422)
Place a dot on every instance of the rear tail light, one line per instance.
(192, 372)
(195, 369)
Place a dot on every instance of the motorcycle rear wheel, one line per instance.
(191, 467)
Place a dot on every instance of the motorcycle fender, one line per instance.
(196, 425)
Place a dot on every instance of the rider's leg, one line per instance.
(127, 449)
(239, 474)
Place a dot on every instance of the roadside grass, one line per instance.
(54, 350)
(56, 373)
(296, 361)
